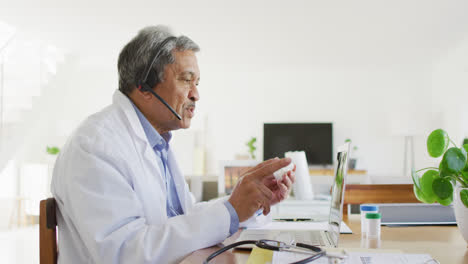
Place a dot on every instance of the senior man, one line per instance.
(120, 193)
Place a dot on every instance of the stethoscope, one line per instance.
(274, 245)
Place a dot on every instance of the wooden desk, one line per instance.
(443, 243)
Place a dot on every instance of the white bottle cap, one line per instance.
(279, 173)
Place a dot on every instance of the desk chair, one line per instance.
(378, 193)
(47, 232)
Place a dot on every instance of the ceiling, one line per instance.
(297, 33)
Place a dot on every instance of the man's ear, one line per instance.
(138, 95)
(142, 94)
(146, 95)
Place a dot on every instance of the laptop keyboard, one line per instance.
(311, 238)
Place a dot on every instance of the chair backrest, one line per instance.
(48, 232)
(378, 193)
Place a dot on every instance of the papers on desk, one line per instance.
(302, 225)
(355, 256)
(358, 258)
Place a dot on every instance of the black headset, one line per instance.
(150, 77)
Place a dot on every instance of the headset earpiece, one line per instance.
(148, 84)
(143, 87)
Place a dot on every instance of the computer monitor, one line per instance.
(316, 139)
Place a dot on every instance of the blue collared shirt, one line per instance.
(160, 145)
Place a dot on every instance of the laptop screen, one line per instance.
(337, 196)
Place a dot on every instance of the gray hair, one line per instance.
(136, 56)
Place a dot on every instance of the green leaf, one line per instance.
(465, 147)
(426, 184)
(443, 170)
(442, 188)
(464, 197)
(420, 195)
(437, 143)
(447, 201)
(251, 146)
(415, 177)
(464, 151)
(53, 150)
(454, 160)
(464, 172)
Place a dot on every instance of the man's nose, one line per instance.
(194, 95)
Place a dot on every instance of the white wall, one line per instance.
(357, 64)
(450, 89)
(359, 102)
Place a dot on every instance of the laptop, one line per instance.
(327, 237)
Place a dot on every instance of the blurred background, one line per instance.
(383, 73)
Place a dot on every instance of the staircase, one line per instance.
(27, 71)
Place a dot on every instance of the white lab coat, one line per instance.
(111, 197)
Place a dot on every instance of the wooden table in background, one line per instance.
(443, 243)
(331, 172)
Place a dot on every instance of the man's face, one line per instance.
(179, 90)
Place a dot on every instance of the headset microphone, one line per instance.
(162, 101)
(149, 81)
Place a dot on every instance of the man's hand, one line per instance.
(251, 193)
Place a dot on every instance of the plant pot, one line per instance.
(461, 213)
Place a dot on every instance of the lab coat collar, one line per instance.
(124, 103)
(154, 138)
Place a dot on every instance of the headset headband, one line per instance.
(158, 51)
(147, 87)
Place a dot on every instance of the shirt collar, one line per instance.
(154, 138)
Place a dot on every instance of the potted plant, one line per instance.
(251, 145)
(448, 181)
(52, 150)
